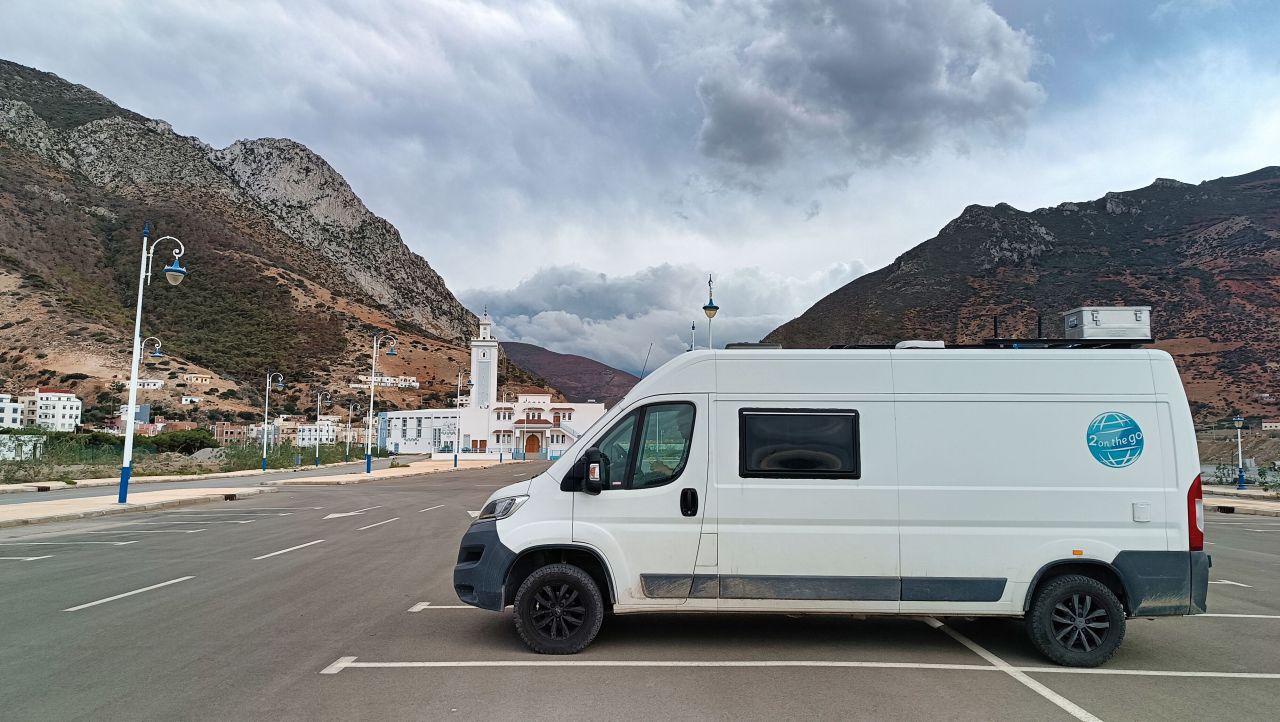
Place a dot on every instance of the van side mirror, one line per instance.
(589, 474)
(596, 471)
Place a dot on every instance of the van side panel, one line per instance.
(997, 478)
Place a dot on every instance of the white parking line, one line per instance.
(350, 663)
(286, 551)
(437, 506)
(427, 605)
(279, 508)
(25, 559)
(50, 544)
(127, 594)
(151, 531)
(378, 524)
(1276, 529)
(1067, 705)
(1234, 584)
(201, 514)
(1239, 616)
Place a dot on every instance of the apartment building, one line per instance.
(10, 412)
(51, 408)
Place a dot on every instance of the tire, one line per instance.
(558, 609)
(1076, 621)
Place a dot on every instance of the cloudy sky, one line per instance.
(581, 166)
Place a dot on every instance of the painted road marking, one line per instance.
(1239, 616)
(150, 531)
(1234, 584)
(437, 506)
(27, 544)
(474, 514)
(427, 605)
(1065, 704)
(378, 524)
(200, 514)
(350, 663)
(280, 508)
(245, 521)
(1276, 529)
(286, 551)
(350, 513)
(127, 594)
(29, 559)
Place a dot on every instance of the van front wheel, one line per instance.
(1076, 621)
(558, 609)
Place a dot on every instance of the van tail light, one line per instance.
(1195, 516)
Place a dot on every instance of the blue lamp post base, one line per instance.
(455, 459)
(125, 473)
(368, 463)
(264, 463)
(1240, 485)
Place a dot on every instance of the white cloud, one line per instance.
(614, 318)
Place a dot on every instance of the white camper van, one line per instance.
(1061, 486)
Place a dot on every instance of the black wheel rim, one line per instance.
(557, 611)
(1080, 622)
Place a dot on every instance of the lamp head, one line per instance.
(174, 273)
(711, 309)
(279, 386)
(1239, 421)
(157, 353)
(391, 349)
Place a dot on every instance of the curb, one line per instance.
(71, 516)
(1233, 509)
(1237, 494)
(321, 481)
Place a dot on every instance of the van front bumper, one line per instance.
(479, 577)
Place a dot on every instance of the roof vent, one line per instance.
(744, 345)
(920, 344)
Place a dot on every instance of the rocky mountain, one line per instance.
(289, 269)
(1206, 257)
(578, 377)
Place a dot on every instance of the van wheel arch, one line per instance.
(586, 559)
(1092, 568)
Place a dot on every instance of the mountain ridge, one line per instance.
(1206, 257)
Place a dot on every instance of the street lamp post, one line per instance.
(711, 309)
(325, 398)
(352, 408)
(174, 273)
(1239, 422)
(378, 338)
(457, 427)
(266, 410)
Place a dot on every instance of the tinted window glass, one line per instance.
(798, 443)
(616, 448)
(664, 444)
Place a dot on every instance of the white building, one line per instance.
(10, 412)
(531, 426)
(50, 408)
(383, 381)
(188, 400)
(150, 384)
(326, 431)
(1270, 425)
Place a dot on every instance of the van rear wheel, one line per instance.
(1076, 621)
(558, 609)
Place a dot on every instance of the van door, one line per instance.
(648, 518)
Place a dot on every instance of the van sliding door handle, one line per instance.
(689, 502)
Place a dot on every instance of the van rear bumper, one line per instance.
(1160, 584)
(479, 577)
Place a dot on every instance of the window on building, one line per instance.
(798, 443)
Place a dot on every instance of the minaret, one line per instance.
(484, 364)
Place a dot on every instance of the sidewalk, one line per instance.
(40, 512)
(133, 481)
(1242, 505)
(426, 466)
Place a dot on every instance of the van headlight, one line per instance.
(502, 508)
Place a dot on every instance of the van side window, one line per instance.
(664, 445)
(649, 447)
(798, 443)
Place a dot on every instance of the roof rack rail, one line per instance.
(1029, 343)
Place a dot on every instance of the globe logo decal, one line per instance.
(1114, 439)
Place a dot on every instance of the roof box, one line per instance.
(1108, 322)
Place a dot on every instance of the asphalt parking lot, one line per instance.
(337, 603)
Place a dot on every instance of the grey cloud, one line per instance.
(614, 319)
(875, 79)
